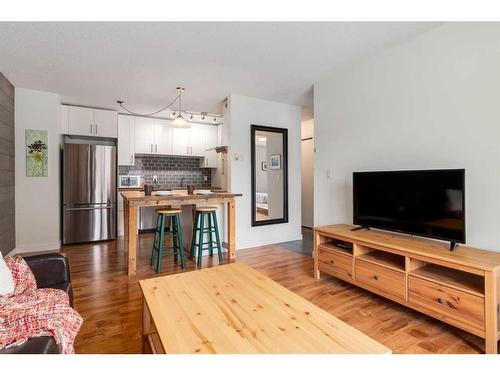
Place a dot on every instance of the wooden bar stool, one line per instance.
(175, 232)
(199, 230)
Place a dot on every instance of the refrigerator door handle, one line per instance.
(88, 208)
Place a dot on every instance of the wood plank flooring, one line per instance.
(110, 301)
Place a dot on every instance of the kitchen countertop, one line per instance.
(139, 199)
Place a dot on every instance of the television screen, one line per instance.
(429, 203)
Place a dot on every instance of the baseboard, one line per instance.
(264, 242)
(52, 246)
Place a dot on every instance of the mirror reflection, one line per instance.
(269, 175)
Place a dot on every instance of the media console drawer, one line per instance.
(454, 303)
(382, 278)
(335, 262)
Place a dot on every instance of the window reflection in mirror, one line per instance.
(269, 175)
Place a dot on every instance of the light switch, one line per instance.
(329, 173)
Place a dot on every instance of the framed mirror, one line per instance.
(269, 152)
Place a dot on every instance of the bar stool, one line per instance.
(199, 230)
(175, 232)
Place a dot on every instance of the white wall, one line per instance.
(243, 112)
(307, 145)
(37, 198)
(432, 102)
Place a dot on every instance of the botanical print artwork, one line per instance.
(36, 153)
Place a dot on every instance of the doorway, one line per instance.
(307, 145)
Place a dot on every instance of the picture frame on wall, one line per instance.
(264, 166)
(275, 161)
(37, 157)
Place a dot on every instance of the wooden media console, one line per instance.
(460, 287)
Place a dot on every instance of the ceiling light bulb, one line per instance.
(180, 122)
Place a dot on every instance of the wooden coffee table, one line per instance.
(235, 309)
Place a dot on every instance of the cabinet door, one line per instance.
(80, 121)
(197, 140)
(163, 137)
(211, 136)
(105, 123)
(180, 141)
(144, 135)
(125, 140)
(210, 159)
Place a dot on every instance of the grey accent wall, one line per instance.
(170, 170)
(7, 148)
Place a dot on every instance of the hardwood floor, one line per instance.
(110, 301)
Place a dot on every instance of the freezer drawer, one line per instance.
(89, 223)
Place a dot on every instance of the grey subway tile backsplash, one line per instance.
(170, 170)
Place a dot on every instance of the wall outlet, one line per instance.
(205, 178)
(155, 179)
(237, 157)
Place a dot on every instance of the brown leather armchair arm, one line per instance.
(51, 271)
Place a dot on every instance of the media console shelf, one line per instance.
(460, 287)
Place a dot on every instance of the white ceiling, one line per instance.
(95, 64)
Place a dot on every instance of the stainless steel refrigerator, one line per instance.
(89, 191)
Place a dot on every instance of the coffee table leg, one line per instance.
(146, 327)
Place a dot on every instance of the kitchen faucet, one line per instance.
(182, 181)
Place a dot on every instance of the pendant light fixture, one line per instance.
(180, 121)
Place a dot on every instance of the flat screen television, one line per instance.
(428, 203)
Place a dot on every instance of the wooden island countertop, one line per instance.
(133, 199)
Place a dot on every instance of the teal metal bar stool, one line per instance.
(175, 232)
(200, 228)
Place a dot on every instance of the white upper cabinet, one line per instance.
(180, 141)
(197, 140)
(89, 122)
(163, 137)
(126, 140)
(80, 121)
(153, 136)
(158, 137)
(144, 135)
(211, 136)
(211, 141)
(106, 123)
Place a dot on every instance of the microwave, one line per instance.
(129, 181)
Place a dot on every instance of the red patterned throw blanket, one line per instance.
(31, 312)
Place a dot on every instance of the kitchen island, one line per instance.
(136, 199)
